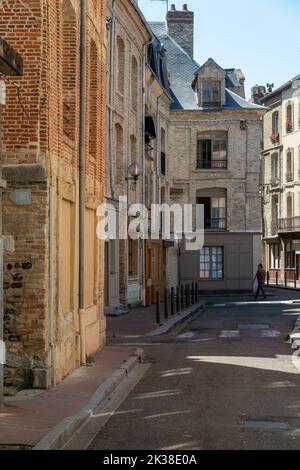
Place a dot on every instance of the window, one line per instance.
(289, 119)
(289, 165)
(274, 256)
(211, 263)
(163, 152)
(275, 167)
(290, 256)
(211, 94)
(214, 212)
(120, 65)
(134, 84)
(212, 151)
(275, 127)
(119, 162)
(133, 258)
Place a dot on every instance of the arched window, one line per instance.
(289, 118)
(120, 64)
(93, 99)
(134, 83)
(290, 165)
(119, 151)
(69, 76)
(289, 205)
(275, 126)
(275, 167)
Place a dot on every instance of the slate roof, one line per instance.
(182, 69)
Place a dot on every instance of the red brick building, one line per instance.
(54, 165)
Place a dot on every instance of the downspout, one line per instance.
(82, 176)
(110, 99)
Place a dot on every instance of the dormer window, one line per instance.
(211, 93)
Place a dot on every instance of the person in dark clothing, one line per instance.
(261, 278)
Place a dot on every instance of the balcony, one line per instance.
(291, 224)
(215, 224)
(289, 177)
(211, 165)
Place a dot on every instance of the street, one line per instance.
(226, 381)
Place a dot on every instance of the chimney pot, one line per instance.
(184, 7)
(173, 7)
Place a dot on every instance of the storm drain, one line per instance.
(253, 326)
(266, 425)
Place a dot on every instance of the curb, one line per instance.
(60, 435)
(166, 327)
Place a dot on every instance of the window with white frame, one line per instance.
(289, 125)
(212, 263)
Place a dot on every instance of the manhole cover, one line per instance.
(267, 425)
(253, 326)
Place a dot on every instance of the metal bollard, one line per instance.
(182, 297)
(158, 316)
(276, 278)
(285, 278)
(177, 299)
(186, 296)
(193, 294)
(268, 278)
(172, 302)
(166, 302)
(295, 280)
(197, 293)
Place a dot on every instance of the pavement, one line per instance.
(46, 419)
(229, 380)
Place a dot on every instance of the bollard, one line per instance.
(186, 296)
(177, 299)
(197, 293)
(172, 302)
(268, 278)
(193, 294)
(182, 297)
(276, 278)
(285, 279)
(166, 301)
(158, 317)
(295, 280)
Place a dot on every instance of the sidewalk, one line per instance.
(31, 415)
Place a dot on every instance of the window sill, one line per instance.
(210, 170)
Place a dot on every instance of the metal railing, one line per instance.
(203, 164)
(290, 224)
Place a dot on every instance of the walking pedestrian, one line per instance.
(260, 276)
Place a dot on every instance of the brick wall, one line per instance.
(40, 154)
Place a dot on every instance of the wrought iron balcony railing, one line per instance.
(290, 224)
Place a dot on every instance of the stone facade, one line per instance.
(46, 334)
(281, 195)
(134, 94)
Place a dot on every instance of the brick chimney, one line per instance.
(181, 27)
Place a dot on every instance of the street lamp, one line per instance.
(135, 170)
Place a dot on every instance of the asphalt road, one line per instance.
(227, 381)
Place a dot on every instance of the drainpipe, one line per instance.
(110, 99)
(82, 176)
(51, 288)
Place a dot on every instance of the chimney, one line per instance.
(181, 27)
(257, 92)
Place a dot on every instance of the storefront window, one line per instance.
(211, 263)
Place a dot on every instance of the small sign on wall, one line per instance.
(21, 197)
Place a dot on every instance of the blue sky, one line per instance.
(262, 37)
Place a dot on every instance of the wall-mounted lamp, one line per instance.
(135, 171)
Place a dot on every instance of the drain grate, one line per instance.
(267, 425)
(253, 326)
